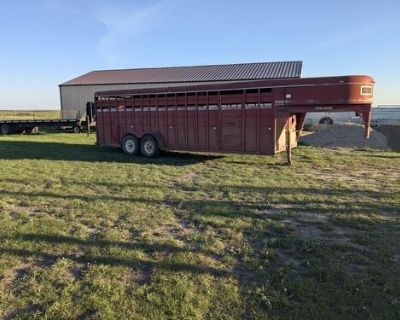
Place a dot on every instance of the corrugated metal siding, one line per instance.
(74, 98)
(227, 72)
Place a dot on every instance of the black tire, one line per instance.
(131, 145)
(149, 147)
(5, 128)
(76, 129)
(326, 120)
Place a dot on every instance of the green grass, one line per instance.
(90, 233)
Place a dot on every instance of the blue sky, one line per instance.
(47, 42)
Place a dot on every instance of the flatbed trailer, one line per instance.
(30, 126)
(256, 117)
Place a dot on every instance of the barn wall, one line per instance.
(74, 98)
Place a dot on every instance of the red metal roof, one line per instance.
(226, 72)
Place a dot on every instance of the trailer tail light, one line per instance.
(366, 90)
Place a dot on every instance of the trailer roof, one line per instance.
(240, 85)
(225, 72)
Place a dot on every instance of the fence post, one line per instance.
(288, 144)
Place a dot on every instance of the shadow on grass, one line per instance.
(86, 244)
(390, 157)
(229, 208)
(16, 150)
(243, 188)
(94, 242)
(115, 261)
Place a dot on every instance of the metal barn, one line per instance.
(75, 93)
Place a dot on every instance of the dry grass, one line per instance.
(29, 115)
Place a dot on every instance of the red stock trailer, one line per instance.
(255, 117)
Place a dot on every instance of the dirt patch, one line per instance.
(306, 231)
(139, 277)
(17, 273)
(312, 226)
(314, 229)
(312, 217)
(183, 230)
(192, 176)
(347, 136)
(17, 209)
(30, 309)
(178, 229)
(76, 272)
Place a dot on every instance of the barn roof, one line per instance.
(225, 72)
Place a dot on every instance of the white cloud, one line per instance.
(124, 26)
(124, 22)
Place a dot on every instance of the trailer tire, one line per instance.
(34, 130)
(5, 129)
(131, 145)
(76, 129)
(326, 120)
(149, 146)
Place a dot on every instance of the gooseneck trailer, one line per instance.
(256, 117)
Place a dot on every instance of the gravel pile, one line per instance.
(392, 133)
(346, 135)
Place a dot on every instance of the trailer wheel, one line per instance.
(34, 130)
(326, 120)
(76, 129)
(149, 147)
(131, 145)
(5, 129)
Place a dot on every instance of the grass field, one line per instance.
(29, 115)
(90, 233)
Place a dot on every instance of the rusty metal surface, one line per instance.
(227, 72)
